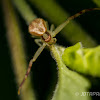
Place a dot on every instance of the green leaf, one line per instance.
(83, 60)
(70, 84)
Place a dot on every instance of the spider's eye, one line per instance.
(37, 27)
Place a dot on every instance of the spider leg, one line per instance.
(52, 27)
(38, 42)
(61, 26)
(47, 25)
(33, 36)
(40, 49)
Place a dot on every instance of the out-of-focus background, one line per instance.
(44, 71)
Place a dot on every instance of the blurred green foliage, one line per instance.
(44, 72)
(83, 60)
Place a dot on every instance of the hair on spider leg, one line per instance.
(39, 29)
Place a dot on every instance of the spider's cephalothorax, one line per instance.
(38, 27)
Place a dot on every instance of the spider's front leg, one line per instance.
(52, 27)
(51, 30)
(47, 25)
(40, 49)
(38, 42)
(61, 26)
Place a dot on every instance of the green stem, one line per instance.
(68, 80)
(17, 50)
(56, 56)
(24, 10)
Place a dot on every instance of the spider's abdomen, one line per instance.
(37, 27)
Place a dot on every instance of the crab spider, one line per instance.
(39, 28)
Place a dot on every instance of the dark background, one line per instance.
(45, 71)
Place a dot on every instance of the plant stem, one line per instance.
(17, 50)
(68, 80)
(24, 10)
